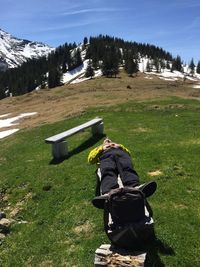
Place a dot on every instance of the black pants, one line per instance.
(113, 162)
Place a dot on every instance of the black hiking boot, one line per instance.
(148, 188)
(99, 201)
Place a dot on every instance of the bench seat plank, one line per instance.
(61, 136)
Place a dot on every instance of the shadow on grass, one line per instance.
(155, 248)
(152, 246)
(85, 145)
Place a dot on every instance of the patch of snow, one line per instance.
(168, 79)
(82, 78)
(167, 75)
(75, 73)
(4, 123)
(38, 88)
(83, 53)
(197, 75)
(98, 73)
(5, 115)
(27, 114)
(8, 122)
(175, 74)
(4, 134)
(148, 77)
(11, 121)
(142, 65)
(191, 78)
(196, 86)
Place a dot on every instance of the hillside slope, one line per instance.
(49, 203)
(74, 99)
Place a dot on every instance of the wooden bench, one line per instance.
(59, 144)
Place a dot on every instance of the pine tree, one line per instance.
(192, 67)
(110, 65)
(168, 65)
(64, 67)
(177, 64)
(198, 67)
(89, 70)
(43, 82)
(2, 92)
(85, 40)
(77, 60)
(148, 67)
(69, 61)
(54, 78)
(162, 64)
(131, 66)
(106, 66)
(95, 62)
(156, 64)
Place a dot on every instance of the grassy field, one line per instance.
(54, 221)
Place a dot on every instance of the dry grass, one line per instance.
(155, 173)
(191, 142)
(86, 227)
(56, 104)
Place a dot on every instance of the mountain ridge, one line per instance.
(101, 55)
(15, 51)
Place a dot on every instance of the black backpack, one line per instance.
(127, 218)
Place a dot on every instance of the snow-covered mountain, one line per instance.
(14, 51)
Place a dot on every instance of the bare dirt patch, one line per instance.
(13, 211)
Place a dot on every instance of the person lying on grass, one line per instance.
(114, 159)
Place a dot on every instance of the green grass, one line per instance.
(63, 228)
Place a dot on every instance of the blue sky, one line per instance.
(173, 25)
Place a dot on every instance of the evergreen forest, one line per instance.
(103, 52)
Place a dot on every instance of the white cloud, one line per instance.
(70, 25)
(89, 10)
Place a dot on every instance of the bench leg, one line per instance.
(98, 129)
(59, 150)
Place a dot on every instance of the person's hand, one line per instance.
(114, 145)
(106, 146)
